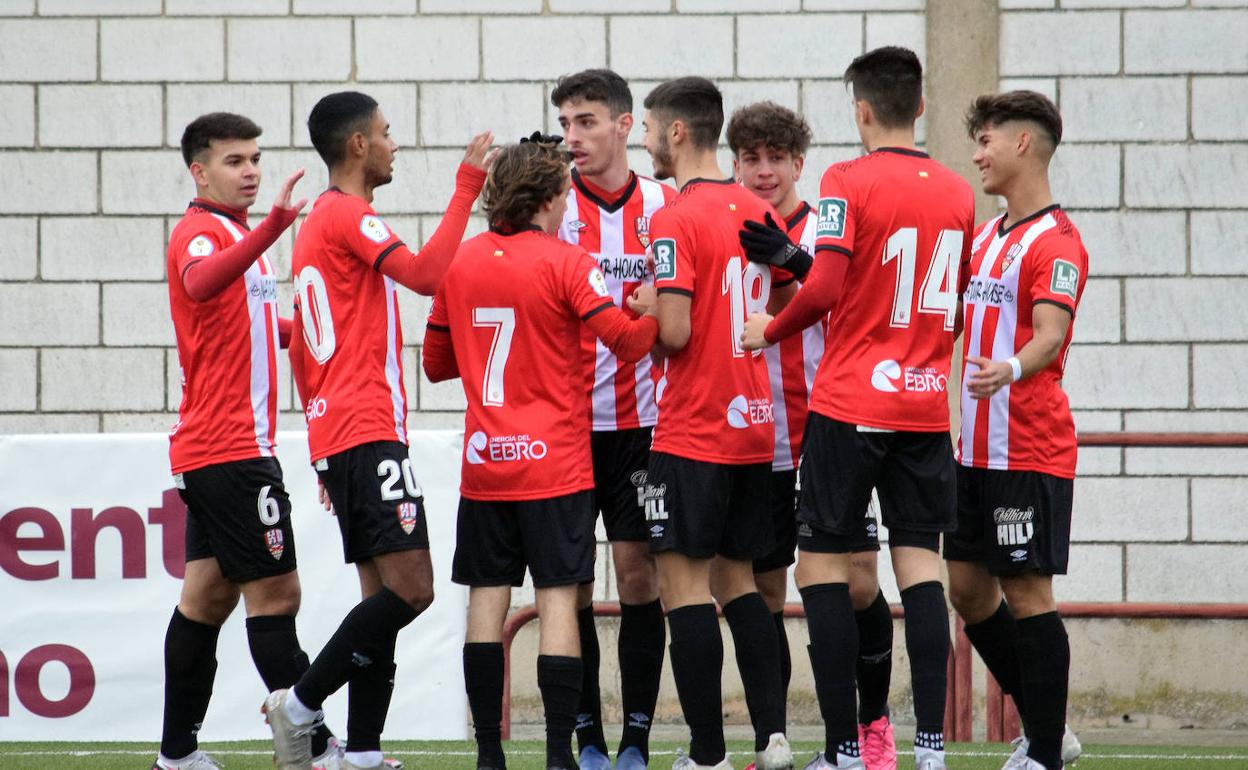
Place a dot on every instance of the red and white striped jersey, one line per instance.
(616, 233)
(1026, 425)
(346, 341)
(792, 363)
(227, 348)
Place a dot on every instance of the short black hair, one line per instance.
(694, 100)
(201, 132)
(334, 118)
(595, 85)
(768, 125)
(995, 109)
(890, 79)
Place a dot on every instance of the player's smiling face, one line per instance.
(229, 172)
(655, 142)
(381, 149)
(995, 157)
(769, 173)
(594, 138)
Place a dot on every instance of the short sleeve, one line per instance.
(367, 236)
(585, 286)
(202, 243)
(1056, 272)
(834, 230)
(672, 250)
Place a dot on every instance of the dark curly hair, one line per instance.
(995, 109)
(768, 125)
(523, 177)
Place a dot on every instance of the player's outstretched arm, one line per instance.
(818, 295)
(208, 276)
(422, 272)
(1049, 324)
(628, 338)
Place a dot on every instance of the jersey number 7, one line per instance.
(503, 321)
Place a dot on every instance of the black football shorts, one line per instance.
(378, 502)
(496, 540)
(703, 509)
(620, 460)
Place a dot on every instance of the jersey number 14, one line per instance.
(938, 294)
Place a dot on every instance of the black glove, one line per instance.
(540, 138)
(770, 245)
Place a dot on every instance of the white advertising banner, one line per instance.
(91, 556)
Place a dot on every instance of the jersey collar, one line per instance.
(701, 180)
(529, 228)
(583, 187)
(903, 151)
(797, 216)
(238, 216)
(1002, 229)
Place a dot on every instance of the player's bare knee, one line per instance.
(974, 600)
(278, 595)
(862, 590)
(637, 585)
(1028, 595)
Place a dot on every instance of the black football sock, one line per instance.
(559, 680)
(697, 663)
(281, 661)
(364, 635)
(786, 657)
(642, 638)
(996, 640)
(190, 667)
(875, 659)
(1044, 674)
(368, 701)
(589, 710)
(483, 679)
(927, 642)
(833, 655)
(758, 660)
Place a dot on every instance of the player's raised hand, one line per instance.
(284, 194)
(766, 242)
(752, 335)
(643, 300)
(478, 155)
(991, 376)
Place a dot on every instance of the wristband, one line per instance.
(1017, 366)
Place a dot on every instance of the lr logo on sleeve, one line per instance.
(665, 259)
(1065, 278)
(831, 218)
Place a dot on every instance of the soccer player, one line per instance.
(1017, 448)
(706, 491)
(345, 355)
(769, 144)
(223, 298)
(894, 226)
(608, 214)
(513, 305)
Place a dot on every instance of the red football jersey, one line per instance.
(227, 349)
(792, 362)
(347, 339)
(905, 222)
(1026, 425)
(616, 234)
(514, 305)
(713, 382)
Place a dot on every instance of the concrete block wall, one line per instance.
(1154, 95)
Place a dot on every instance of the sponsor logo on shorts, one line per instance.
(638, 479)
(656, 530)
(888, 374)
(831, 218)
(804, 530)
(407, 517)
(665, 259)
(1019, 555)
(480, 449)
(1014, 526)
(743, 412)
(873, 531)
(652, 498)
(275, 542)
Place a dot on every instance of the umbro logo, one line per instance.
(656, 530)
(1018, 555)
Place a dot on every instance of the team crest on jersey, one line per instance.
(372, 228)
(200, 246)
(642, 226)
(276, 543)
(665, 259)
(407, 517)
(1011, 254)
(598, 282)
(831, 218)
(1065, 278)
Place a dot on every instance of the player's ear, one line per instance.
(799, 162)
(676, 131)
(1023, 142)
(862, 112)
(624, 123)
(736, 169)
(356, 144)
(922, 106)
(198, 173)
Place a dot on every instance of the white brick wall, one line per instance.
(1154, 95)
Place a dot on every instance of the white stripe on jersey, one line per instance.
(611, 241)
(1003, 341)
(393, 365)
(264, 342)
